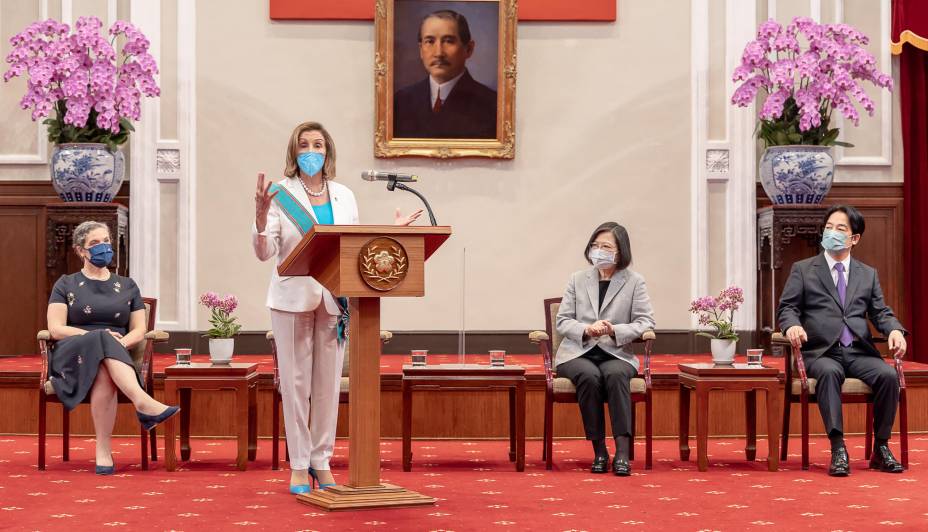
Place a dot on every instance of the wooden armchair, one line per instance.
(141, 355)
(799, 388)
(385, 337)
(561, 390)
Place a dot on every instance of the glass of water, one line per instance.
(497, 357)
(419, 357)
(182, 356)
(755, 357)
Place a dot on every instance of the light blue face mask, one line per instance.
(834, 240)
(310, 162)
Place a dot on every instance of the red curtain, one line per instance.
(910, 42)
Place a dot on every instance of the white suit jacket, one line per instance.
(626, 305)
(280, 236)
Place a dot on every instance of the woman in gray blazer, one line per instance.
(604, 309)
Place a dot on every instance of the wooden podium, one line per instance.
(365, 263)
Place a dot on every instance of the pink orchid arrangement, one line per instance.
(93, 90)
(804, 84)
(719, 312)
(221, 319)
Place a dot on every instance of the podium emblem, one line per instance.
(383, 263)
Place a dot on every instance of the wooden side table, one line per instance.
(703, 378)
(472, 377)
(180, 381)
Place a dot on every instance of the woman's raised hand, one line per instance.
(399, 219)
(262, 202)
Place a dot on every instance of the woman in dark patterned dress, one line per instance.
(96, 316)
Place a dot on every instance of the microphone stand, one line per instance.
(392, 183)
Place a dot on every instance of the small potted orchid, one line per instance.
(719, 312)
(224, 328)
(807, 71)
(92, 89)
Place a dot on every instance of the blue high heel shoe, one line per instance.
(300, 488)
(150, 422)
(312, 473)
(106, 470)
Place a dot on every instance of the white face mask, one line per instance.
(602, 259)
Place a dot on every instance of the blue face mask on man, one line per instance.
(834, 240)
(101, 254)
(310, 162)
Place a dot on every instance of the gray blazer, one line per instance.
(627, 306)
(810, 299)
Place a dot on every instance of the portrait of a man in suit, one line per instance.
(448, 102)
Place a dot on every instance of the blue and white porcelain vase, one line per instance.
(797, 175)
(87, 172)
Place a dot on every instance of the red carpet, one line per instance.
(477, 489)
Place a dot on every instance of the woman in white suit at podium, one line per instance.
(308, 321)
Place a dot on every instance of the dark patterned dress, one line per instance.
(95, 306)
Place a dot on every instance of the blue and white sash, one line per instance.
(300, 217)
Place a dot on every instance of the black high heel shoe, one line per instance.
(150, 422)
(621, 467)
(600, 464)
(106, 470)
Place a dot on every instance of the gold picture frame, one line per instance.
(389, 97)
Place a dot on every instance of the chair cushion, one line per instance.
(849, 386)
(563, 385)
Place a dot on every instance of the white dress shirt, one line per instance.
(831, 267)
(443, 89)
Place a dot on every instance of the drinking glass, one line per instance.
(419, 357)
(183, 356)
(497, 357)
(755, 357)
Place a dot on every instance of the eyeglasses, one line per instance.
(604, 247)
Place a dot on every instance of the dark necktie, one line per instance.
(846, 337)
(437, 106)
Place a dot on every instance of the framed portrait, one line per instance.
(445, 78)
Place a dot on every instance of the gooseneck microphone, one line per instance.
(395, 180)
(377, 175)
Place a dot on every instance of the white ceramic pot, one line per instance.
(220, 350)
(723, 351)
(797, 175)
(87, 172)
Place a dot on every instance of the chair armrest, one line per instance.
(157, 336)
(778, 338)
(537, 337)
(269, 335)
(385, 337)
(44, 337)
(648, 338)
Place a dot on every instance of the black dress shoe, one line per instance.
(621, 467)
(600, 464)
(883, 459)
(839, 464)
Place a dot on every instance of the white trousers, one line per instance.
(309, 360)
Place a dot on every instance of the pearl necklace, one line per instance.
(310, 192)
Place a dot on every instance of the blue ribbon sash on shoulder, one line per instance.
(300, 217)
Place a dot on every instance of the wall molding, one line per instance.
(730, 161)
(158, 162)
(41, 154)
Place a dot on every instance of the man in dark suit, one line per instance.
(449, 103)
(824, 309)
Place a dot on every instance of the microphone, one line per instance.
(377, 175)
